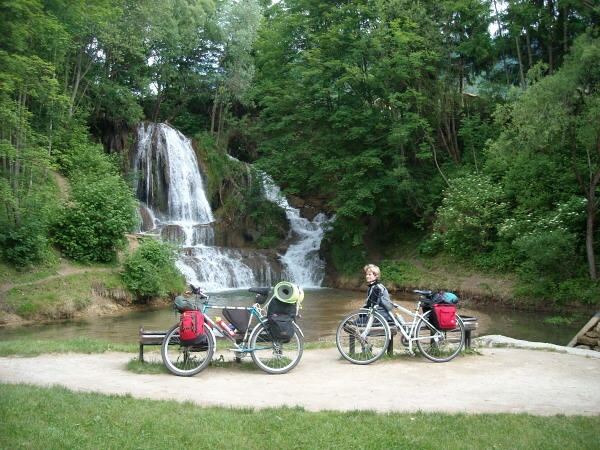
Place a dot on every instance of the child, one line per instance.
(377, 294)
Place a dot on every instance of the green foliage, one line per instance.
(550, 255)
(348, 259)
(468, 219)
(267, 221)
(564, 320)
(579, 289)
(370, 105)
(400, 273)
(25, 245)
(150, 270)
(25, 220)
(92, 228)
(92, 225)
(238, 191)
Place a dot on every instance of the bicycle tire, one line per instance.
(186, 361)
(273, 356)
(351, 333)
(439, 345)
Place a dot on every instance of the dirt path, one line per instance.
(498, 379)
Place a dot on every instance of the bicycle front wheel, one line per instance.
(359, 342)
(186, 361)
(439, 345)
(274, 356)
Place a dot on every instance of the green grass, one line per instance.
(59, 298)
(31, 347)
(55, 418)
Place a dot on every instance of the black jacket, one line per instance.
(374, 293)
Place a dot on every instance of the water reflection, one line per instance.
(322, 311)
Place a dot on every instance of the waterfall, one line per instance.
(170, 186)
(174, 206)
(302, 262)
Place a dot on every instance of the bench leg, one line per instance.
(141, 353)
(390, 349)
(467, 339)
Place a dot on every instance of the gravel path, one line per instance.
(519, 379)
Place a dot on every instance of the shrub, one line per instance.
(468, 219)
(150, 271)
(92, 228)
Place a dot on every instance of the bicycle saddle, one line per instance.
(423, 292)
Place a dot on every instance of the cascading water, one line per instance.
(174, 206)
(302, 262)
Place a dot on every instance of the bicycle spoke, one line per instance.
(186, 361)
(274, 356)
(360, 343)
(439, 345)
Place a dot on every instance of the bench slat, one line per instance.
(150, 337)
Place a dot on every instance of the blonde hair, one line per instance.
(373, 268)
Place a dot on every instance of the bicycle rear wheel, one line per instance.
(186, 361)
(439, 345)
(274, 356)
(358, 344)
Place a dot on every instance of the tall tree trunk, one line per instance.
(528, 43)
(589, 190)
(521, 71)
(500, 33)
(550, 36)
(591, 211)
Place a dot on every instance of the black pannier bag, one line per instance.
(239, 318)
(280, 319)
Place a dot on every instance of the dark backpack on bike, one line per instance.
(191, 329)
(280, 319)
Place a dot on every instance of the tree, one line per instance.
(558, 118)
(238, 22)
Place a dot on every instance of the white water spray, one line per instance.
(171, 188)
(302, 262)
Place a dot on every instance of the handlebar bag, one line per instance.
(182, 304)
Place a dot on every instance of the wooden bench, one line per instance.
(150, 337)
(470, 326)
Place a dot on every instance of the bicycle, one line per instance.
(252, 336)
(363, 336)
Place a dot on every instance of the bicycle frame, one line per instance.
(256, 311)
(240, 344)
(407, 329)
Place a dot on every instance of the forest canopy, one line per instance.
(463, 128)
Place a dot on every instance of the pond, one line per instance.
(322, 311)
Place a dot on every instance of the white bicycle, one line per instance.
(363, 336)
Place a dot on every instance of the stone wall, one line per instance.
(589, 336)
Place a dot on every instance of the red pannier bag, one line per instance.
(445, 315)
(191, 328)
